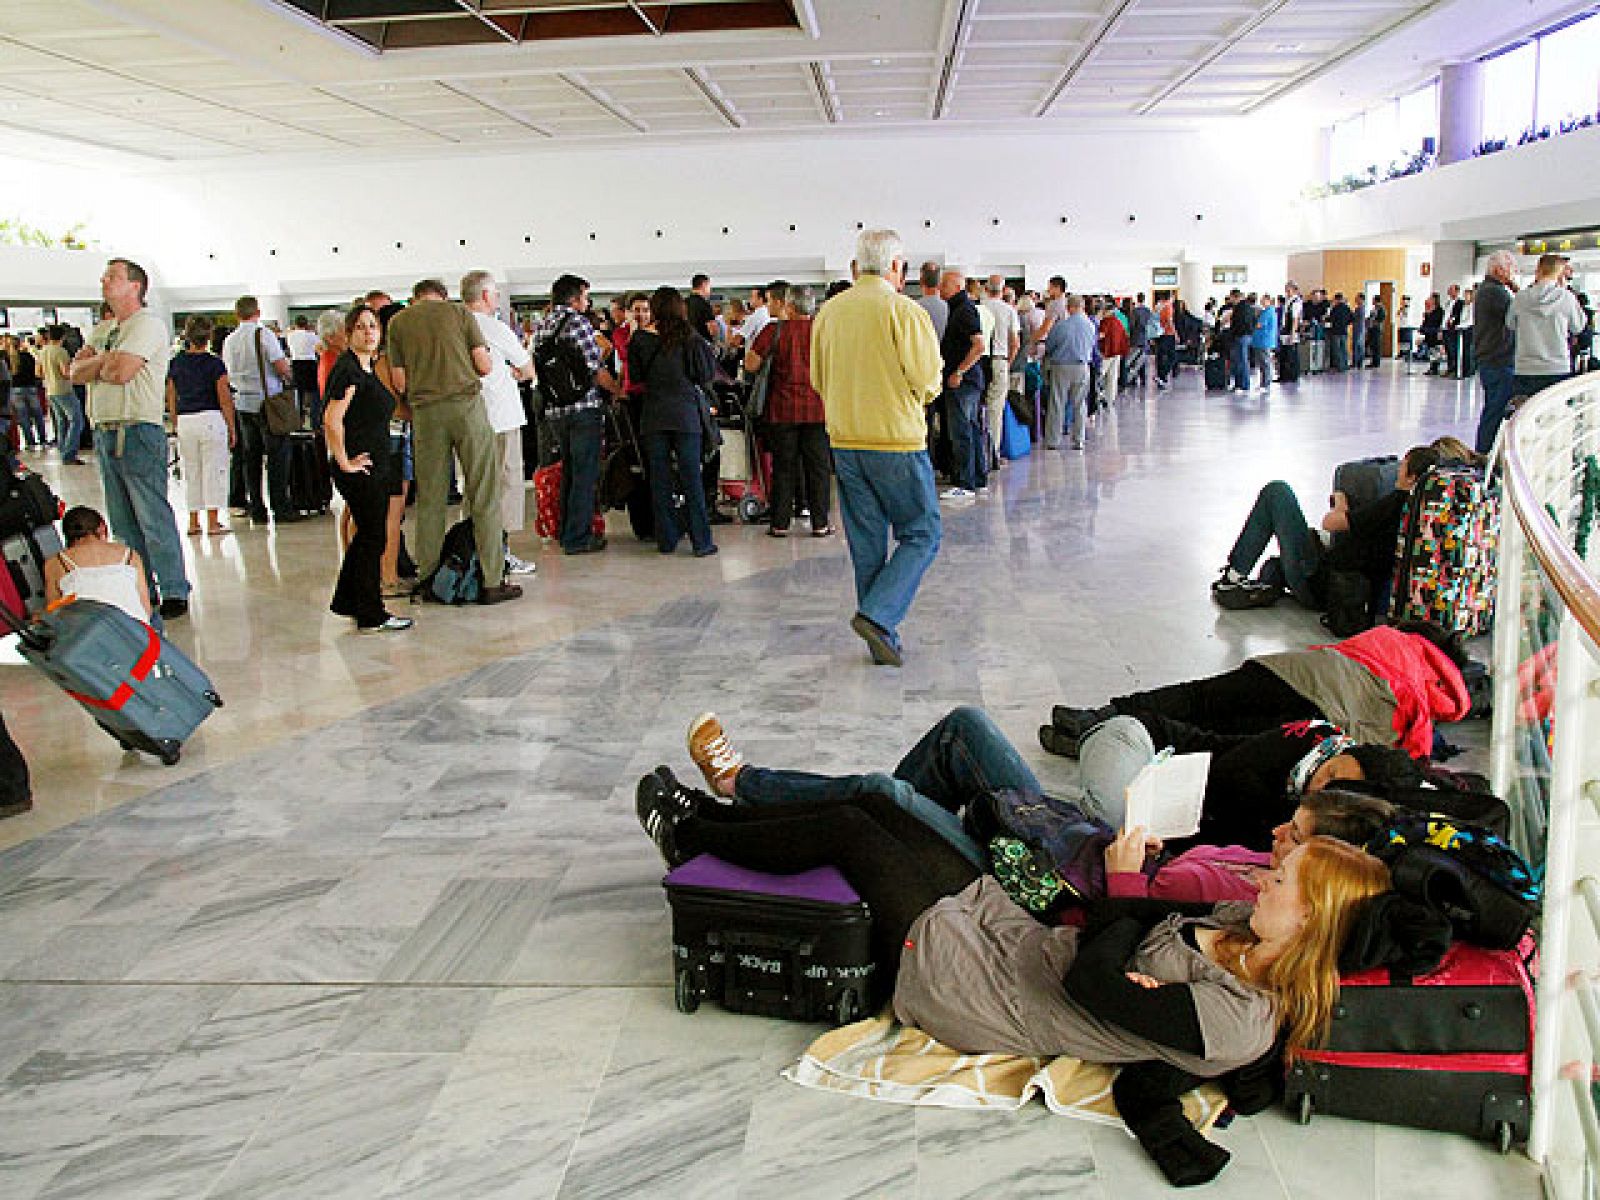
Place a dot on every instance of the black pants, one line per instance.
(244, 476)
(1247, 699)
(16, 791)
(896, 863)
(797, 449)
(358, 593)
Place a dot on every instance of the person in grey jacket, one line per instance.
(1545, 317)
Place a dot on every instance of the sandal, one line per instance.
(774, 531)
(825, 531)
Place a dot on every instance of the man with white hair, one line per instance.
(1493, 345)
(875, 362)
(502, 403)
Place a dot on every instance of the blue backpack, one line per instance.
(458, 579)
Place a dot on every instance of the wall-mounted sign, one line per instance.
(1427, 269)
(1561, 241)
(1230, 275)
(1164, 277)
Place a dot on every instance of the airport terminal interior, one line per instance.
(390, 927)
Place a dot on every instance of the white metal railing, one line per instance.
(1545, 750)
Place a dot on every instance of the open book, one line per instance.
(1168, 795)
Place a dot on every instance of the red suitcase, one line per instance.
(547, 504)
(1450, 1050)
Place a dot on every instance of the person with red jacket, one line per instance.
(1387, 685)
(1113, 345)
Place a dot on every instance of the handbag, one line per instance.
(762, 382)
(710, 432)
(282, 411)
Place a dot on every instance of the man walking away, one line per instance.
(1545, 316)
(1493, 345)
(258, 369)
(302, 341)
(436, 357)
(124, 364)
(875, 362)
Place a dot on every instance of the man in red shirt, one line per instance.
(1113, 345)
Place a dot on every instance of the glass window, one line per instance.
(1569, 73)
(1417, 119)
(1508, 81)
(1346, 153)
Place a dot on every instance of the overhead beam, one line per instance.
(827, 93)
(952, 59)
(713, 96)
(1228, 43)
(466, 93)
(1108, 26)
(474, 9)
(598, 97)
(1317, 72)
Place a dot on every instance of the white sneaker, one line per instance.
(956, 495)
(984, 490)
(519, 566)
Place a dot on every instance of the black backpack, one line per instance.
(562, 373)
(458, 579)
(26, 504)
(1464, 871)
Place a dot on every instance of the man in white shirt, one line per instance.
(302, 341)
(502, 402)
(258, 368)
(1004, 341)
(760, 315)
(124, 365)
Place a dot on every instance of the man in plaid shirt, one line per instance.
(576, 413)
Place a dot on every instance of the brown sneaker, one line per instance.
(718, 761)
(499, 595)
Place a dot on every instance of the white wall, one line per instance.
(33, 276)
(209, 233)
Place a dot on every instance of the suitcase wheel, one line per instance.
(1503, 1136)
(215, 698)
(1303, 1111)
(169, 752)
(751, 509)
(684, 991)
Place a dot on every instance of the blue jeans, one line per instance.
(67, 412)
(133, 469)
(674, 459)
(961, 756)
(1241, 364)
(880, 491)
(969, 465)
(30, 414)
(1110, 757)
(1497, 385)
(578, 435)
(1277, 514)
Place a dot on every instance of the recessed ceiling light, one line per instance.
(880, 112)
(880, 62)
(1287, 47)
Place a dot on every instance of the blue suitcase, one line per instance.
(1014, 439)
(138, 687)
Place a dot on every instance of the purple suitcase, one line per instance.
(794, 946)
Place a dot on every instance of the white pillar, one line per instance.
(1460, 111)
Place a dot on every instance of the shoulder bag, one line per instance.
(761, 385)
(282, 411)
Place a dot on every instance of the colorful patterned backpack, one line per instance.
(1449, 543)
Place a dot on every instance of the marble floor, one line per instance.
(391, 930)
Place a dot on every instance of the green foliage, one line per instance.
(19, 233)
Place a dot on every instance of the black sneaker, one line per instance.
(661, 802)
(1058, 741)
(1075, 722)
(174, 607)
(1237, 596)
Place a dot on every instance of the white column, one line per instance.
(1460, 111)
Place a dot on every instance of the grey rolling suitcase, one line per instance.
(138, 687)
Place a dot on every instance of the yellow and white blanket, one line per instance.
(879, 1059)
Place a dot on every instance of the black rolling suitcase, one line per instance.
(1451, 1050)
(1289, 362)
(310, 484)
(1216, 373)
(794, 946)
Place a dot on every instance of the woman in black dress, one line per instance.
(673, 365)
(356, 422)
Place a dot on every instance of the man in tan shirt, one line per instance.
(875, 362)
(66, 410)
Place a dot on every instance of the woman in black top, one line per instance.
(26, 398)
(356, 421)
(673, 365)
(200, 404)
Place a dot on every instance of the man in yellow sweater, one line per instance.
(875, 362)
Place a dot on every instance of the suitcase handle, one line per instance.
(797, 948)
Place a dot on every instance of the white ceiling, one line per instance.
(188, 80)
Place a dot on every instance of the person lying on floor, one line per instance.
(1253, 780)
(1304, 564)
(1386, 685)
(1204, 995)
(1259, 800)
